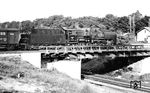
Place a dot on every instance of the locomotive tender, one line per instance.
(13, 39)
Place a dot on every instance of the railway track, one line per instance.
(116, 82)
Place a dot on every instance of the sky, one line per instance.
(19, 10)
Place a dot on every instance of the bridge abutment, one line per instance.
(70, 67)
(32, 57)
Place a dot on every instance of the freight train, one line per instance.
(11, 39)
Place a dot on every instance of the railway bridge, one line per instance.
(81, 52)
(73, 56)
(46, 55)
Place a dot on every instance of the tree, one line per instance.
(87, 21)
(110, 22)
(14, 24)
(137, 16)
(27, 26)
(144, 22)
(123, 24)
(5, 25)
(133, 19)
(39, 21)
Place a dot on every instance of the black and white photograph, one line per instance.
(74, 46)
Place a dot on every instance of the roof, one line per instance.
(70, 29)
(147, 28)
(46, 28)
(125, 34)
(9, 29)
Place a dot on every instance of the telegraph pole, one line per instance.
(130, 23)
(133, 19)
(134, 27)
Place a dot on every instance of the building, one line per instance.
(144, 35)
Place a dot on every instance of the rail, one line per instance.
(108, 81)
(83, 49)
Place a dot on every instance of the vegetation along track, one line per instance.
(116, 82)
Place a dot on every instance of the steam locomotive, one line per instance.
(12, 38)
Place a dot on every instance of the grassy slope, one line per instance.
(37, 80)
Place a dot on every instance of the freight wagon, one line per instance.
(9, 38)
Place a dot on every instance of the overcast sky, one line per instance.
(19, 10)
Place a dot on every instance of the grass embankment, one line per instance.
(18, 76)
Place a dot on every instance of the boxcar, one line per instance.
(9, 38)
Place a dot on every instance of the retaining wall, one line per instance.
(142, 66)
(33, 58)
(71, 68)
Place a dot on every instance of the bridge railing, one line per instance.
(128, 48)
(146, 47)
(75, 49)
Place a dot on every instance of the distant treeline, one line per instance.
(109, 22)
